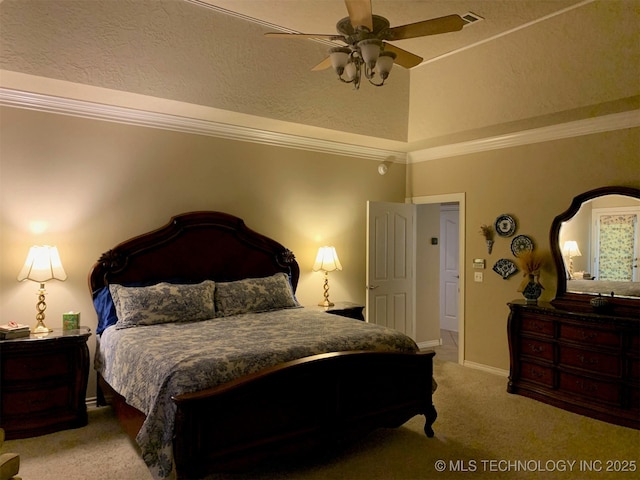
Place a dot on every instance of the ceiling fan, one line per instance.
(366, 37)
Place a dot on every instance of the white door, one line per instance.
(449, 267)
(390, 265)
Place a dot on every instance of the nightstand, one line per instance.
(43, 381)
(346, 309)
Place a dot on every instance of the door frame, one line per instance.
(460, 199)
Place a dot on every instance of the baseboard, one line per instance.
(429, 344)
(486, 368)
(92, 402)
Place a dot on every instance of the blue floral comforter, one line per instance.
(148, 365)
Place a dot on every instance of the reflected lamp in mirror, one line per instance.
(326, 261)
(42, 264)
(570, 249)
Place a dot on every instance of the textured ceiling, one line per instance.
(320, 16)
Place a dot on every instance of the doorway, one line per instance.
(449, 280)
(450, 208)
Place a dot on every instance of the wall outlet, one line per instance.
(477, 276)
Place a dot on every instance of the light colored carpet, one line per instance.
(480, 428)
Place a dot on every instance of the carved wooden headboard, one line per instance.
(193, 247)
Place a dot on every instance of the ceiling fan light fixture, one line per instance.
(366, 35)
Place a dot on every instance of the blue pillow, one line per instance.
(106, 310)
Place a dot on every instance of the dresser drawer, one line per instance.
(31, 402)
(536, 348)
(536, 373)
(535, 325)
(589, 360)
(36, 367)
(589, 336)
(594, 390)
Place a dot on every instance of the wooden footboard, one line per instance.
(300, 405)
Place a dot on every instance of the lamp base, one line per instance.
(41, 328)
(326, 303)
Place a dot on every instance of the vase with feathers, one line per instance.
(530, 263)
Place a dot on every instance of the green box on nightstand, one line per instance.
(71, 321)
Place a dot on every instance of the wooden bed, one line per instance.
(292, 407)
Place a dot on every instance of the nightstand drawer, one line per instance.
(591, 361)
(35, 401)
(36, 367)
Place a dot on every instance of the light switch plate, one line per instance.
(477, 276)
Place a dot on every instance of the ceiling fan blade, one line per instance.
(435, 26)
(360, 13)
(323, 65)
(403, 58)
(304, 35)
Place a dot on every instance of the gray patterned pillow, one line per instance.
(253, 295)
(162, 303)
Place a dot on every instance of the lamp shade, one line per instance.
(570, 248)
(42, 264)
(327, 260)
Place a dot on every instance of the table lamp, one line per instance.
(42, 264)
(570, 249)
(327, 261)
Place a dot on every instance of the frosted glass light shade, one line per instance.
(385, 63)
(370, 49)
(339, 58)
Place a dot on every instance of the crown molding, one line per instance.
(131, 116)
(604, 123)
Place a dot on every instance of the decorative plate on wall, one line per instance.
(505, 268)
(505, 225)
(521, 243)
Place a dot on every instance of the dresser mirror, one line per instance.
(595, 246)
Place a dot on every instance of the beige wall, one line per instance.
(97, 183)
(534, 183)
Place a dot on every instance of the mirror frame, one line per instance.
(581, 301)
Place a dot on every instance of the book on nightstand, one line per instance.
(14, 330)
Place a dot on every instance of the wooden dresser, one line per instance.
(587, 363)
(44, 383)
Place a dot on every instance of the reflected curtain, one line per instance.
(616, 233)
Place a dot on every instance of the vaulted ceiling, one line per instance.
(525, 64)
